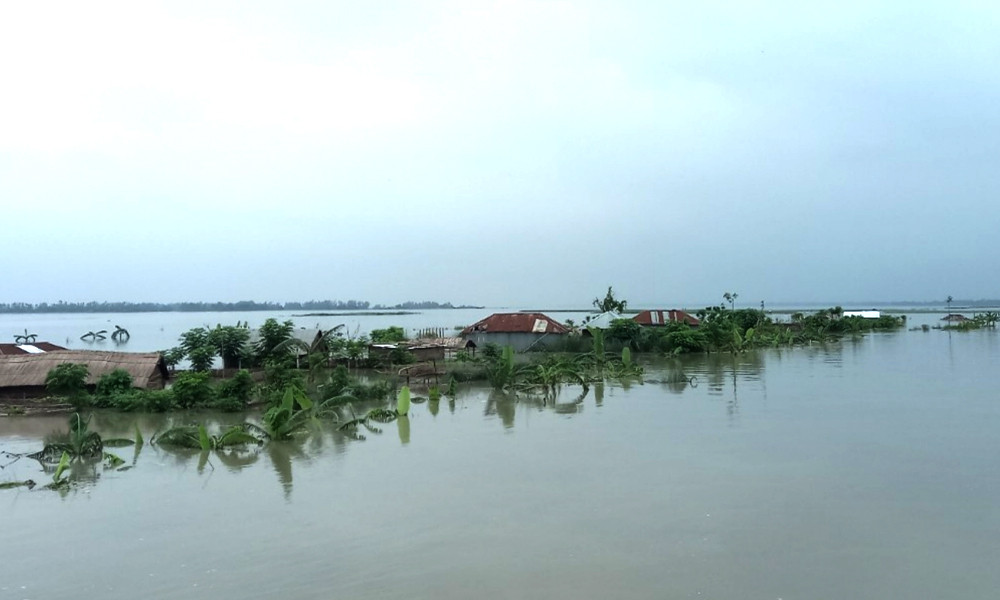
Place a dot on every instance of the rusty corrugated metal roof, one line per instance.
(16, 348)
(517, 323)
(662, 317)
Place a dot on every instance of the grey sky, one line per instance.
(500, 153)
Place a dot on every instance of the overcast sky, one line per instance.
(499, 153)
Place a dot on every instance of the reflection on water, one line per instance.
(862, 469)
(567, 400)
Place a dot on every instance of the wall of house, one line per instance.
(425, 354)
(519, 341)
(22, 392)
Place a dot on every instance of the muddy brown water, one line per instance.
(862, 469)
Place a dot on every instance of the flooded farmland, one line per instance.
(865, 468)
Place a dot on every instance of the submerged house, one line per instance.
(659, 318)
(522, 331)
(23, 375)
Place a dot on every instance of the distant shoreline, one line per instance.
(355, 307)
(893, 309)
(358, 313)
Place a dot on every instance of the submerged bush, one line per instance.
(69, 381)
(387, 335)
(233, 395)
(193, 389)
(116, 382)
(140, 401)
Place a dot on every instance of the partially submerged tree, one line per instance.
(198, 348)
(271, 336)
(231, 343)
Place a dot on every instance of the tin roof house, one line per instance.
(659, 318)
(601, 321)
(32, 348)
(522, 331)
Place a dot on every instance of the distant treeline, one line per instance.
(242, 306)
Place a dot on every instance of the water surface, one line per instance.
(860, 469)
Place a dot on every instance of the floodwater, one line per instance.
(160, 330)
(861, 469)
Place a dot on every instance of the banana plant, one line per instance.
(294, 413)
(378, 415)
(403, 401)
(741, 343)
(626, 368)
(57, 478)
(550, 377)
(197, 437)
(504, 373)
(78, 442)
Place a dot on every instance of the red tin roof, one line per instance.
(662, 317)
(517, 323)
(16, 348)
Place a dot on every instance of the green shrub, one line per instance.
(370, 391)
(401, 356)
(158, 400)
(130, 401)
(69, 381)
(141, 401)
(115, 382)
(228, 404)
(387, 335)
(192, 389)
(340, 379)
(491, 351)
(279, 376)
(233, 395)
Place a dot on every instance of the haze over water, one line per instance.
(860, 469)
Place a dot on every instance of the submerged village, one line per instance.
(287, 378)
(234, 367)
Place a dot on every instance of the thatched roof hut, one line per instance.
(25, 373)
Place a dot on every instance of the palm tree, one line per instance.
(120, 335)
(731, 297)
(948, 302)
(27, 338)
